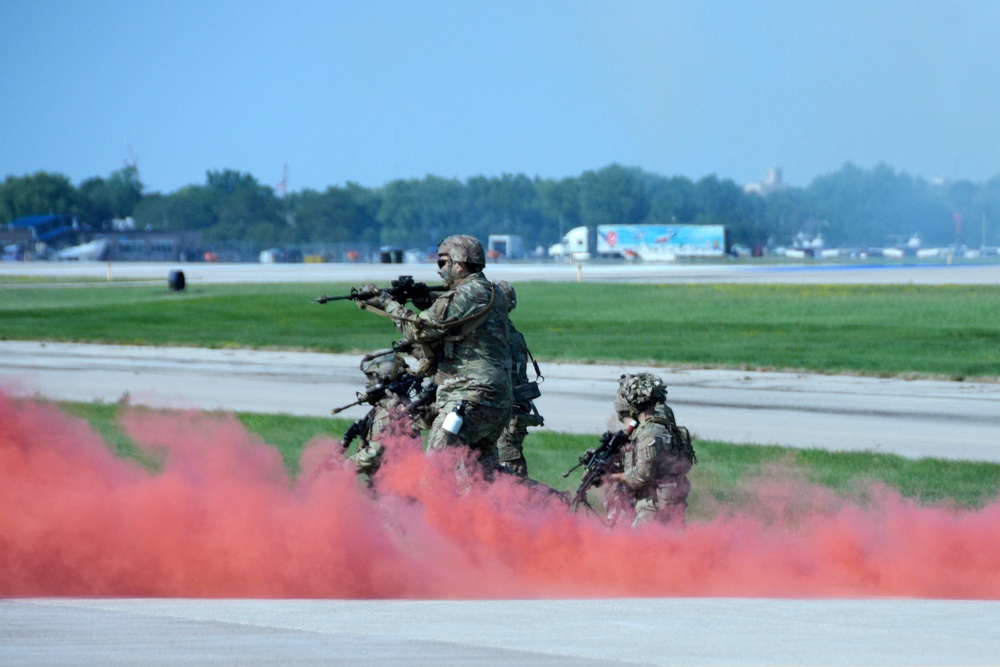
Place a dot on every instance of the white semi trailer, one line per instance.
(644, 242)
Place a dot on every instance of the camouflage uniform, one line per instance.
(368, 456)
(524, 412)
(467, 329)
(656, 459)
(386, 418)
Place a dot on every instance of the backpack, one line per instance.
(680, 436)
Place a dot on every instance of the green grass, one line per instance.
(721, 478)
(64, 281)
(950, 331)
(945, 331)
(101, 417)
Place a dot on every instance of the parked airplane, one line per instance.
(92, 251)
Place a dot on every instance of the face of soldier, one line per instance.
(448, 270)
(622, 408)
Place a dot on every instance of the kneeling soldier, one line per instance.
(658, 454)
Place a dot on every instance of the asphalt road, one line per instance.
(915, 418)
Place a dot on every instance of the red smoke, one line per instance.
(221, 518)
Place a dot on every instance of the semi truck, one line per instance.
(508, 246)
(649, 243)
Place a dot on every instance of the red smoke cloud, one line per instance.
(221, 518)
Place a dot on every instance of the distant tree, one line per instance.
(191, 207)
(419, 213)
(962, 199)
(245, 210)
(229, 181)
(399, 216)
(41, 193)
(852, 206)
(116, 197)
(848, 200)
(723, 202)
(672, 200)
(560, 204)
(506, 205)
(613, 195)
(785, 214)
(877, 207)
(986, 213)
(337, 215)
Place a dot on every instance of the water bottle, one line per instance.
(453, 422)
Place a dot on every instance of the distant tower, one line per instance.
(283, 183)
(773, 180)
(131, 162)
(771, 183)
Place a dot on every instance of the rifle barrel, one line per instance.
(323, 299)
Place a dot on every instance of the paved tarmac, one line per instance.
(914, 418)
(700, 631)
(726, 272)
(83, 633)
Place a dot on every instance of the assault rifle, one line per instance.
(377, 393)
(404, 385)
(402, 289)
(354, 430)
(598, 463)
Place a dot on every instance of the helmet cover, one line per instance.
(384, 367)
(509, 295)
(463, 248)
(641, 390)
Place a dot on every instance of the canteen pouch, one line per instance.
(528, 391)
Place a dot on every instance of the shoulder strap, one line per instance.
(538, 373)
(468, 323)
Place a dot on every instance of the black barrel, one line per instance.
(175, 279)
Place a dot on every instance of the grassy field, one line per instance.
(944, 331)
(719, 479)
(947, 331)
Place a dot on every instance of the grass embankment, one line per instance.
(947, 331)
(719, 479)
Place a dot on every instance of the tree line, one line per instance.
(850, 207)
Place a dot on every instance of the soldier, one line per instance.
(466, 329)
(388, 416)
(524, 412)
(657, 456)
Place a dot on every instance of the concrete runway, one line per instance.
(914, 418)
(735, 272)
(640, 631)
(685, 631)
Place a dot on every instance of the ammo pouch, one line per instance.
(528, 391)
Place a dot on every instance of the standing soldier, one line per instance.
(658, 454)
(524, 413)
(466, 331)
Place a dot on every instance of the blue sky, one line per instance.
(371, 91)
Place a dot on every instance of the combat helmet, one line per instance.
(463, 248)
(509, 295)
(638, 391)
(382, 367)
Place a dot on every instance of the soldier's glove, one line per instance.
(380, 300)
(373, 296)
